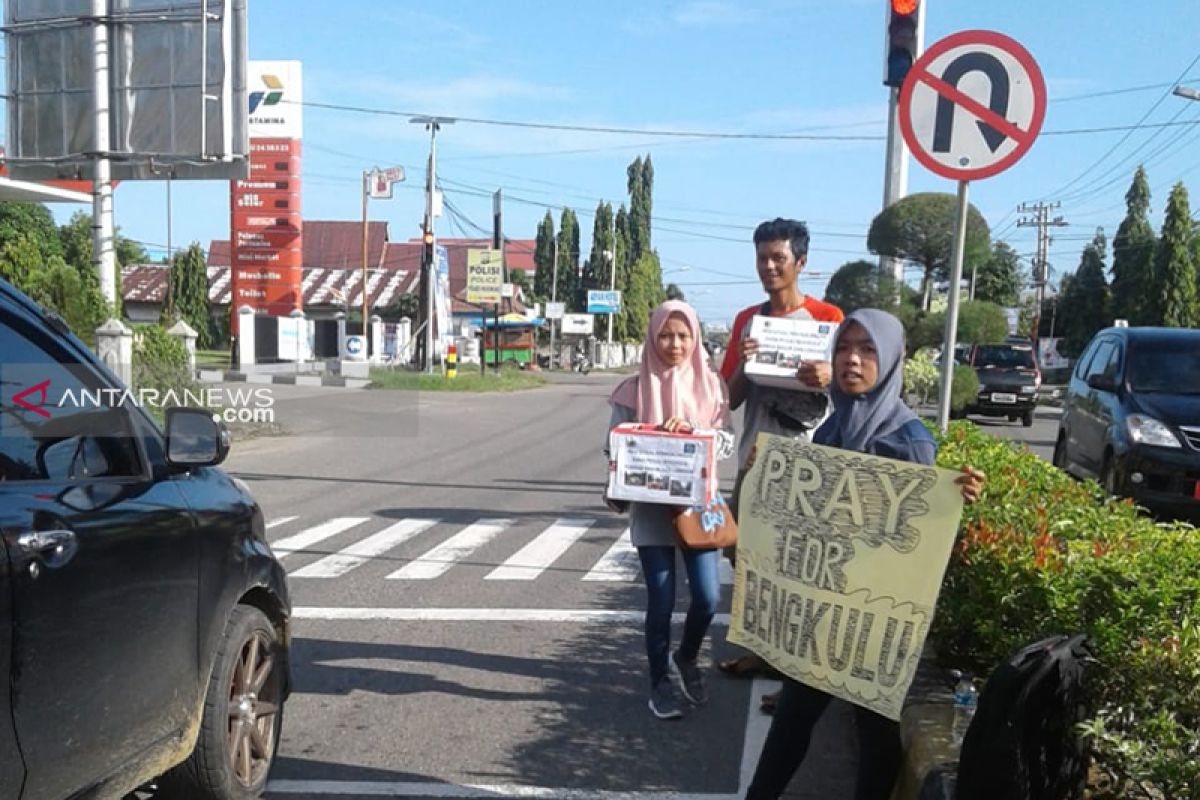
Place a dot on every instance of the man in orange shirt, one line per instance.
(781, 250)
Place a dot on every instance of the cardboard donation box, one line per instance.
(649, 465)
(783, 344)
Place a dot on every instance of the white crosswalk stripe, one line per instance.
(318, 533)
(620, 563)
(359, 553)
(534, 558)
(440, 559)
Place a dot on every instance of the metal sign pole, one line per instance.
(951, 331)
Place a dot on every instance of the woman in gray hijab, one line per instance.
(869, 416)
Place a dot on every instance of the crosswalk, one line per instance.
(333, 548)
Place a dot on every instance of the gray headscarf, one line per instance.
(859, 421)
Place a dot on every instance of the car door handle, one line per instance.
(54, 542)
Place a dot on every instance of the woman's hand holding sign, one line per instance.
(971, 483)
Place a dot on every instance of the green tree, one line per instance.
(978, 323)
(644, 293)
(520, 278)
(641, 204)
(1133, 255)
(61, 289)
(596, 268)
(568, 258)
(543, 258)
(31, 221)
(128, 251)
(1086, 295)
(861, 284)
(1174, 283)
(998, 278)
(673, 292)
(402, 305)
(920, 229)
(20, 260)
(76, 240)
(188, 298)
(621, 326)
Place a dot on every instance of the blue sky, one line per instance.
(763, 66)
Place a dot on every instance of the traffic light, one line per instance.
(902, 41)
(427, 238)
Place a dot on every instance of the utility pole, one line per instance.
(498, 244)
(612, 274)
(433, 209)
(366, 192)
(1041, 220)
(553, 297)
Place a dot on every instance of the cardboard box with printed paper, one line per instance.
(649, 465)
(783, 344)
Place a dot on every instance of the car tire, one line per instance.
(243, 715)
(1027, 418)
(1108, 477)
(1059, 459)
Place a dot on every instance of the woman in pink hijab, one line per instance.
(678, 390)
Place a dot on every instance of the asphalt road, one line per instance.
(468, 616)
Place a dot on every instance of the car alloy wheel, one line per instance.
(253, 703)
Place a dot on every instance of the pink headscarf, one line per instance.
(691, 390)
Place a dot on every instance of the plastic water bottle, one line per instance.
(966, 698)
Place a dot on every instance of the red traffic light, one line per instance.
(900, 44)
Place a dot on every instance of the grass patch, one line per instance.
(469, 380)
(212, 359)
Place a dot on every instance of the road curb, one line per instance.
(266, 378)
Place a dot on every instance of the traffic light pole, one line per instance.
(895, 177)
(904, 38)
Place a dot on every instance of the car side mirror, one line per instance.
(1102, 383)
(195, 438)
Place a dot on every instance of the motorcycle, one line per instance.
(581, 363)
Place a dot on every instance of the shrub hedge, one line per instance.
(1041, 554)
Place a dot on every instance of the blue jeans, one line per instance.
(658, 567)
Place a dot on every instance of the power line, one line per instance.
(550, 126)
(1124, 138)
(1126, 90)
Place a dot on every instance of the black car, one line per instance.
(1009, 380)
(1131, 417)
(145, 620)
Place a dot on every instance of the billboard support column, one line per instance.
(103, 257)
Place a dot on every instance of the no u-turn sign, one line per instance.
(972, 105)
